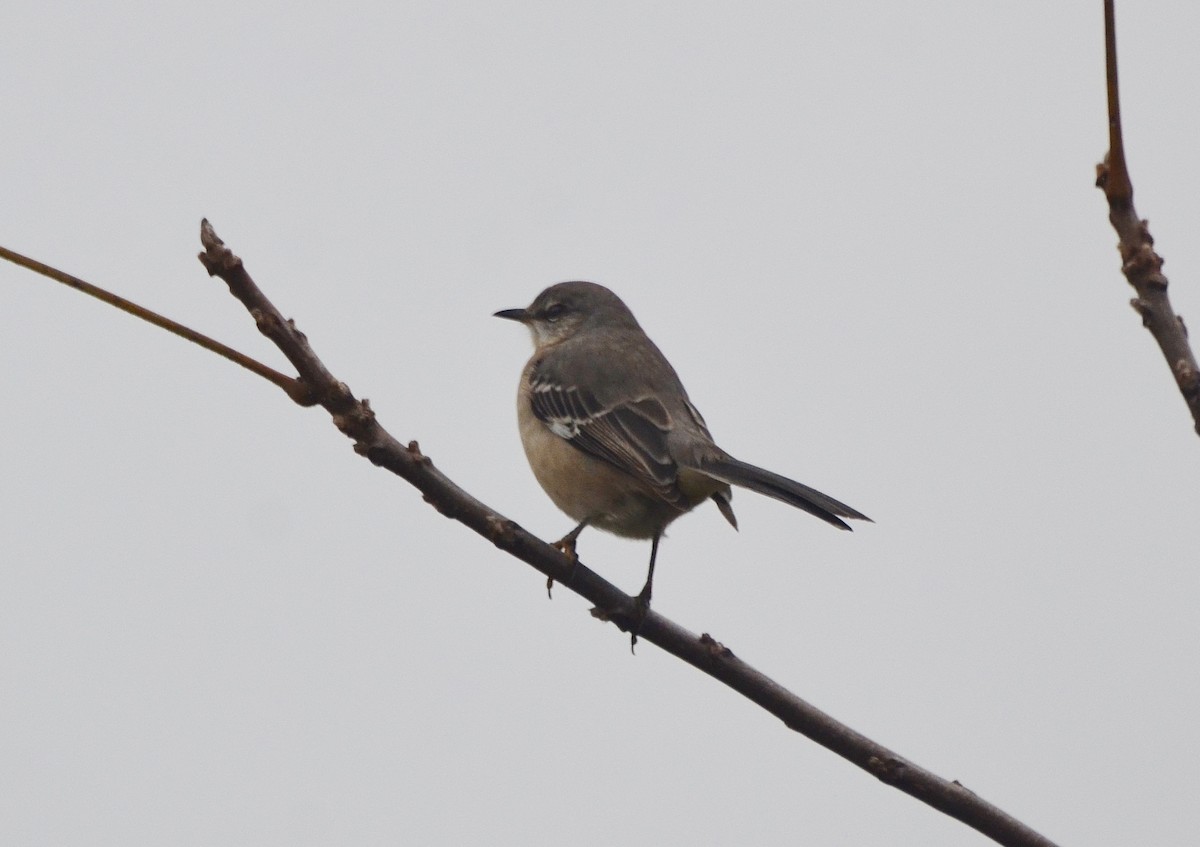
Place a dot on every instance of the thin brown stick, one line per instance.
(287, 383)
(356, 420)
(1141, 265)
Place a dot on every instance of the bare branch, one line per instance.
(1141, 265)
(316, 385)
(356, 420)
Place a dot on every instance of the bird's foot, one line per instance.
(630, 621)
(566, 545)
(641, 608)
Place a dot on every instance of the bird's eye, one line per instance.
(555, 311)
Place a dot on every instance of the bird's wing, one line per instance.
(630, 434)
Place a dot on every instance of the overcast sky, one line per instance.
(867, 237)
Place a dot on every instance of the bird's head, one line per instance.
(564, 309)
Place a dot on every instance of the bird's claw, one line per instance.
(641, 608)
(565, 545)
(630, 622)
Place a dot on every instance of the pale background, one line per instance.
(866, 234)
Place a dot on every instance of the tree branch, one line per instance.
(356, 420)
(1141, 265)
(316, 385)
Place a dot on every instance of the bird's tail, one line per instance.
(730, 470)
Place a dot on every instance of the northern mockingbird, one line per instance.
(611, 435)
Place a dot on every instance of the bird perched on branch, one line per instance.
(611, 435)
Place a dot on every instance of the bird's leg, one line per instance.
(643, 598)
(567, 545)
(641, 603)
(567, 542)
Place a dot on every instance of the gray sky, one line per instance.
(866, 235)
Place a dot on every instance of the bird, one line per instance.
(611, 435)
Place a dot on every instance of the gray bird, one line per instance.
(611, 435)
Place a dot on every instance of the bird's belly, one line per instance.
(587, 488)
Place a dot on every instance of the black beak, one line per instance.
(513, 315)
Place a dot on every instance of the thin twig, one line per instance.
(287, 383)
(356, 420)
(1141, 265)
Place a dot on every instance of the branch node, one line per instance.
(1156, 280)
(414, 450)
(1144, 309)
(715, 648)
(1188, 379)
(1140, 260)
(267, 324)
(301, 393)
(501, 531)
(291, 324)
(357, 418)
(963, 787)
(890, 770)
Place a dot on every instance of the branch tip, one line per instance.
(216, 258)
